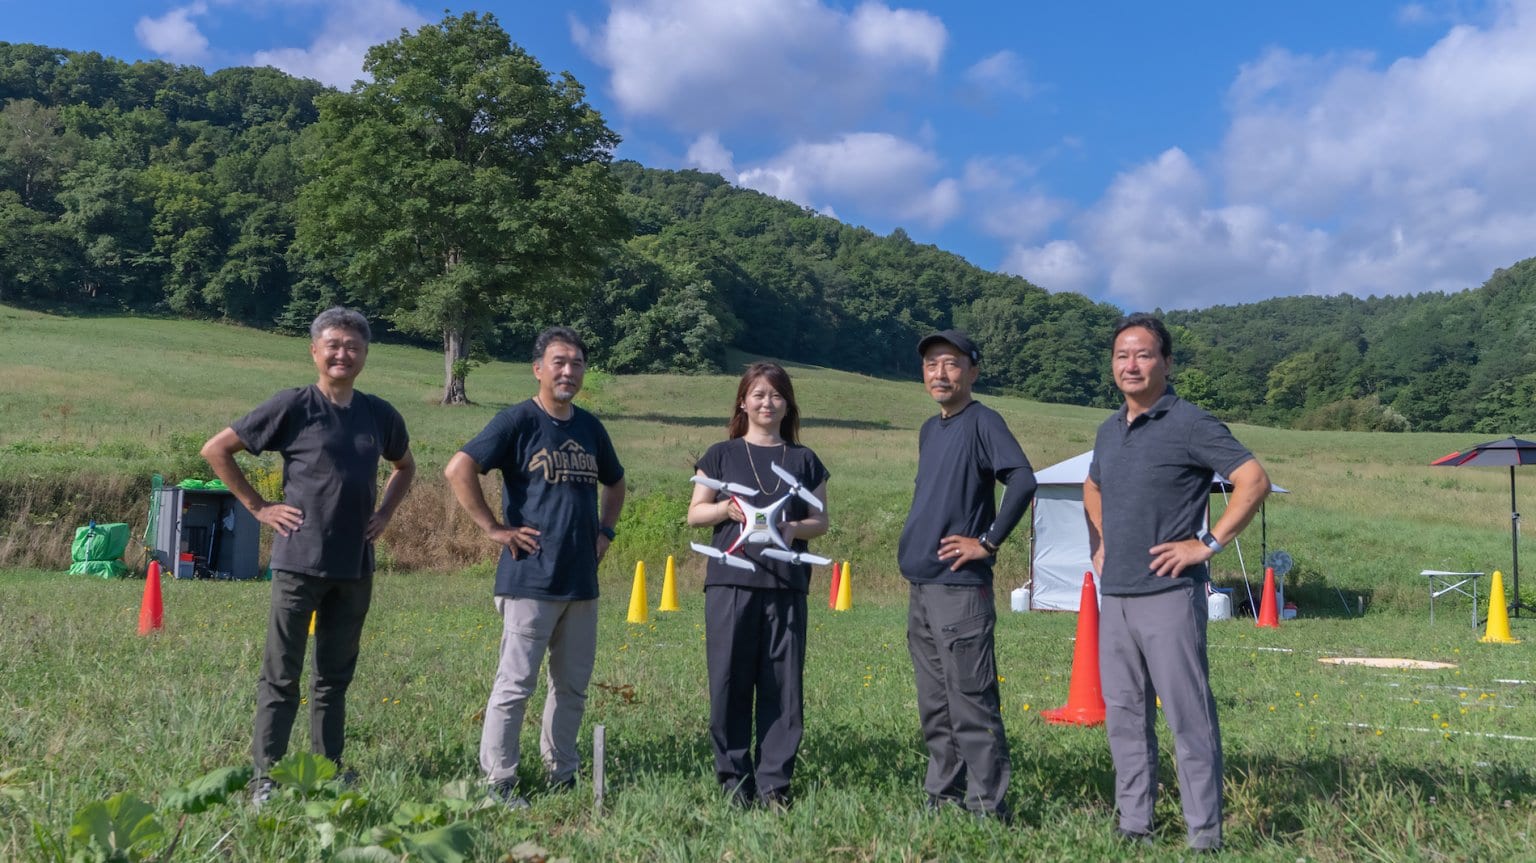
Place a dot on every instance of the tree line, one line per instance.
(465, 197)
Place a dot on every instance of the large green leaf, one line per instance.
(450, 844)
(303, 772)
(122, 828)
(208, 791)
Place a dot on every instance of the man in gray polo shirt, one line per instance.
(1145, 499)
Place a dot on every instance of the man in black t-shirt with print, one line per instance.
(331, 438)
(947, 547)
(553, 457)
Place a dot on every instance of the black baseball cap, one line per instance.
(954, 337)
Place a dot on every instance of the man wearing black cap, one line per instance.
(947, 547)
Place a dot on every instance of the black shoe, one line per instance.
(1133, 837)
(559, 786)
(935, 803)
(505, 793)
(347, 778)
(775, 801)
(262, 789)
(741, 794)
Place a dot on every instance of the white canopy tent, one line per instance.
(1059, 554)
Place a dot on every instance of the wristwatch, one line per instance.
(1211, 542)
(607, 531)
(987, 544)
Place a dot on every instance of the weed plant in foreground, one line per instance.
(1324, 762)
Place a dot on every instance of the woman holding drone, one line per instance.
(755, 615)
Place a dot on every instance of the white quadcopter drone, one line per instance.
(762, 523)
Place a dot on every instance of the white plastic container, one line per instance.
(1218, 606)
(1020, 598)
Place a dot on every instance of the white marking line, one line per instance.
(1513, 682)
(1251, 648)
(1366, 726)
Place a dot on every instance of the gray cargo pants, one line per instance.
(949, 634)
(1153, 646)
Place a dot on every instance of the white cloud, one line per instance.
(801, 65)
(872, 172)
(1337, 174)
(351, 27)
(707, 154)
(1060, 265)
(883, 34)
(1001, 74)
(174, 35)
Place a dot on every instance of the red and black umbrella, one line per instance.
(1508, 452)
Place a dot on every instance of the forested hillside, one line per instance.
(153, 187)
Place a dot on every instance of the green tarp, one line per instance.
(99, 543)
(99, 568)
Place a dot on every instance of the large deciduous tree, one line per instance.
(461, 184)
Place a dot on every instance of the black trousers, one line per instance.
(755, 647)
(949, 634)
(342, 605)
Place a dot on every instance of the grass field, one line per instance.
(1323, 763)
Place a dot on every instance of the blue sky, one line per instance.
(1175, 155)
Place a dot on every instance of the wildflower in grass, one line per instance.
(1026, 707)
(1445, 725)
(1379, 732)
(1271, 708)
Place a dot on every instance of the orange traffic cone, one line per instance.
(151, 608)
(1085, 695)
(1269, 614)
(837, 577)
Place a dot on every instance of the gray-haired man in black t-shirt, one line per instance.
(1145, 499)
(947, 546)
(331, 438)
(553, 458)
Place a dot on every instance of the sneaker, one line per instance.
(934, 803)
(262, 789)
(505, 793)
(347, 778)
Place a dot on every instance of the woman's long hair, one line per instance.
(776, 377)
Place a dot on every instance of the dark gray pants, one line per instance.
(754, 643)
(1149, 647)
(949, 634)
(342, 607)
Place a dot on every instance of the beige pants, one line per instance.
(569, 631)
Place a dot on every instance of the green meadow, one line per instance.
(1323, 762)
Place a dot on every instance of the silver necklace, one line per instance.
(777, 480)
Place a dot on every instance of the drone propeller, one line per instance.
(795, 556)
(727, 487)
(727, 559)
(796, 488)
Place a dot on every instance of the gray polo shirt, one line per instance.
(1155, 477)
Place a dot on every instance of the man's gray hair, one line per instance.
(340, 319)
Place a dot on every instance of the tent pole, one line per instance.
(1514, 541)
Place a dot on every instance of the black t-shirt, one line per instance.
(737, 461)
(959, 461)
(550, 471)
(330, 472)
(1154, 476)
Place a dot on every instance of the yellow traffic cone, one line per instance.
(637, 612)
(1498, 614)
(845, 590)
(313, 617)
(669, 588)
